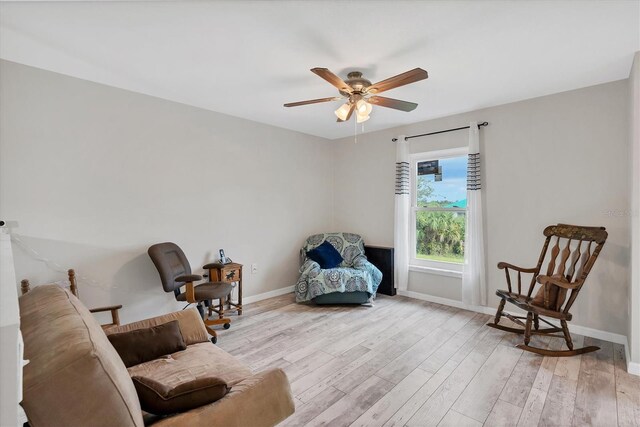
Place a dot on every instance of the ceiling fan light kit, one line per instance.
(360, 94)
(343, 111)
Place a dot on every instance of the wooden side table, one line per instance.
(231, 272)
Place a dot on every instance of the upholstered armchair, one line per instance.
(355, 280)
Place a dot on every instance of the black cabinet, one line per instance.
(382, 257)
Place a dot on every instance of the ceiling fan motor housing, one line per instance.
(357, 83)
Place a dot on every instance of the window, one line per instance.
(438, 209)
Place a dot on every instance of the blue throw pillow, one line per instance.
(325, 255)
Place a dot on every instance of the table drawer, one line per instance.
(230, 275)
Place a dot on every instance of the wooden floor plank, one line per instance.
(456, 419)
(437, 406)
(483, 391)
(596, 393)
(382, 358)
(627, 390)
(303, 383)
(353, 404)
(561, 395)
(412, 358)
(436, 360)
(389, 404)
(533, 407)
(308, 411)
(569, 367)
(518, 386)
(307, 364)
(503, 414)
(415, 402)
(370, 357)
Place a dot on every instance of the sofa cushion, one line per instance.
(74, 376)
(325, 255)
(142, 345)
(261, 400)
(191, 325)
(197, 361)
(160, 399)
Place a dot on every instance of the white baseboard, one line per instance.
(447, 301)
(267, 295)
(601, 335)
(632, 367)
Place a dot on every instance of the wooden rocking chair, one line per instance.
(575, 245)
(73, 287)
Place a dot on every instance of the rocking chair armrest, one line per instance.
(109, 308)
(115, 317)
(542, 279)
(503, 265)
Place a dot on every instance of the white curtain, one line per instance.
(401, 238)
(474, 290)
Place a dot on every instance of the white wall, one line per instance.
(634, 212)
(559, 158)
(95, 175)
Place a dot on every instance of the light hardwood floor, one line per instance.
(406, 362)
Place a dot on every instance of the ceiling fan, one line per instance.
(360, 93)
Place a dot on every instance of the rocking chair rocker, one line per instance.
(550, 298)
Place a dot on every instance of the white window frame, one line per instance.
(416, 264)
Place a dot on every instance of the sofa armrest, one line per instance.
(361, 263)
(263, 399)
(308, 266)
(191, 325)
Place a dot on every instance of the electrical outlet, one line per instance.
(254, 268)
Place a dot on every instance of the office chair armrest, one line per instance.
(212, 265)
(188, 278)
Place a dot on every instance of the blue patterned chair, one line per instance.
(354, 281)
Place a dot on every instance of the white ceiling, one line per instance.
(248, 58)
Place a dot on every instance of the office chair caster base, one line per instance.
(227, 325)
(214, 340)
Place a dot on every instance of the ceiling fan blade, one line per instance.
(313, 101)
(333, 79)
(396, 104)
(412, 76)
(353, 107)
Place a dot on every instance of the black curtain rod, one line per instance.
(440, 131)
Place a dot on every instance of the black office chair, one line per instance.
(175, 272)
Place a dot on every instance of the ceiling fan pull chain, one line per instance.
(355, 131)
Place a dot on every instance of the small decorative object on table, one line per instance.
(229, 272)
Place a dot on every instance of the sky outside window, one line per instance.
(453, 186)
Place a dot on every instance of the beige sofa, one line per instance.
(76, 378)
